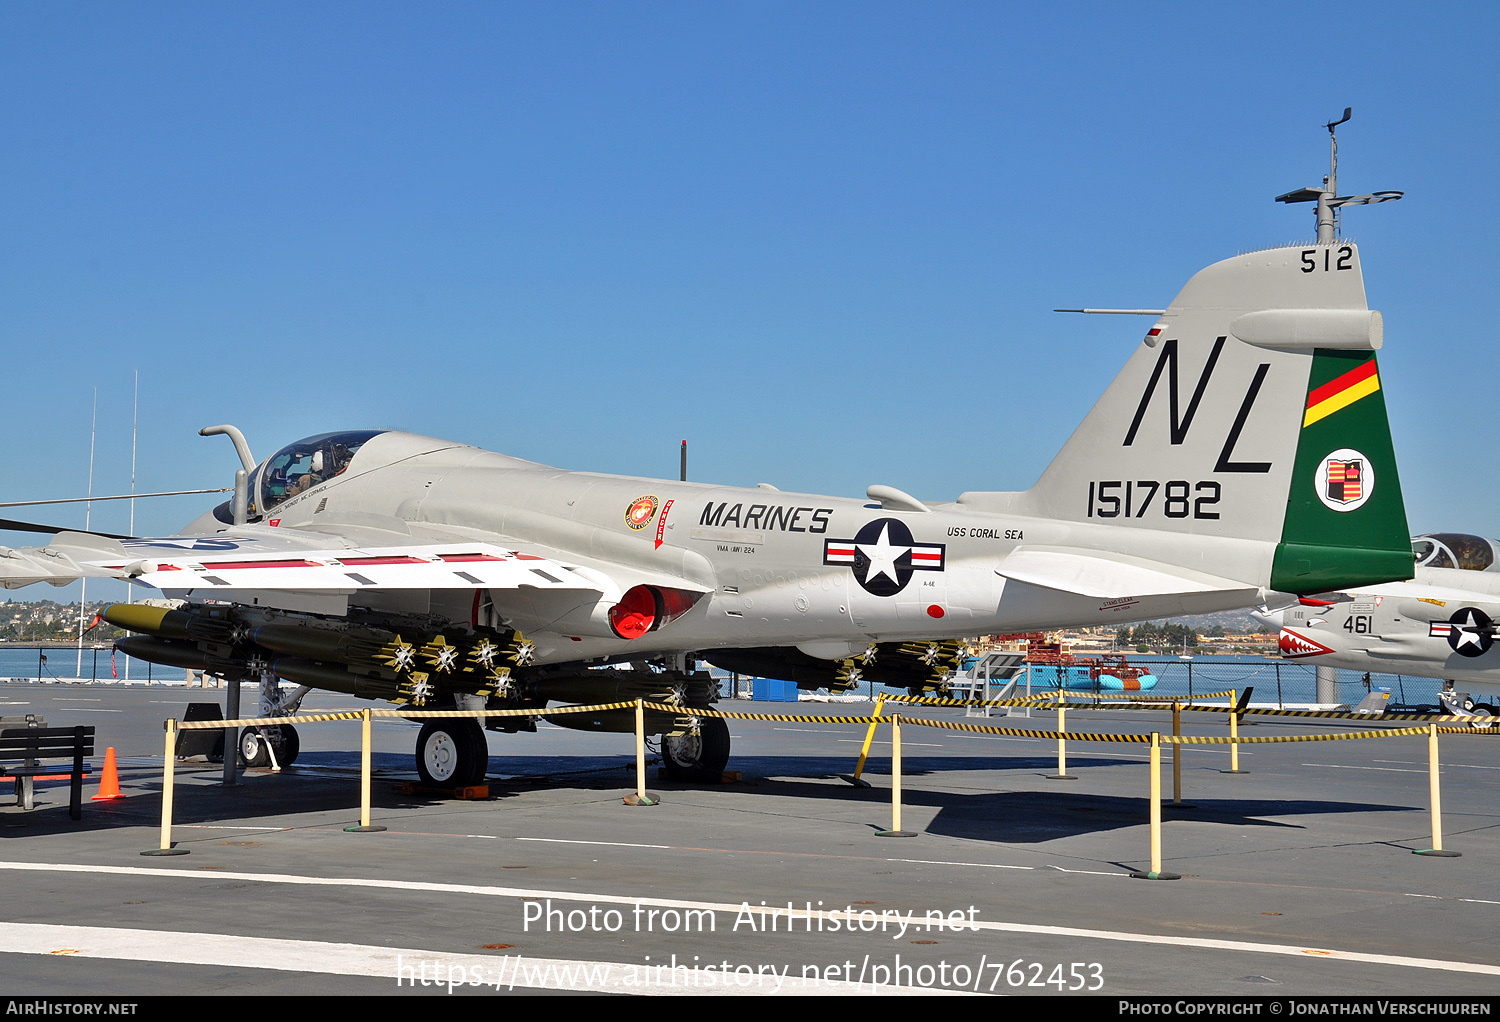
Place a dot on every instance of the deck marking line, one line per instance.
(329, 958)
(615, 899)
(1348, 766)
(571, 841)
(940, 862)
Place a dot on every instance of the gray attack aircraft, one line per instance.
(1242, 452)
(1441, 624)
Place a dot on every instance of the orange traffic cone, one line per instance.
(109, 785)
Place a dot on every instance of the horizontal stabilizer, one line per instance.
(1105, 576)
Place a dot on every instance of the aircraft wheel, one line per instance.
(451, 753)
(481, 753)
(1484, 715)
(253, 748)
(697, 757)
(286, 752)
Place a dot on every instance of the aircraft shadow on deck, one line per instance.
(1036, 816)
(1029, 816)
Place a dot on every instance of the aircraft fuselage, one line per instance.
(774, 568)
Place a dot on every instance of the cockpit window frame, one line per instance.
(1455, 550)
(333, 453)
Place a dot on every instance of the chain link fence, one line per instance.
(1277, 682)
(51, 663)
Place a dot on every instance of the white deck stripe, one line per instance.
(410, 966)
(574, 841)
(1295, 950)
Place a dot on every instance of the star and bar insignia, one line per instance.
(883, 555)
(1469, 632)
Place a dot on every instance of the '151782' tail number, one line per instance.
(1133, 498)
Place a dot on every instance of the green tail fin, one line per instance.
(1345, 522)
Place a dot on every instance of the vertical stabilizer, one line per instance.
(1251, 411)
(1345, 517)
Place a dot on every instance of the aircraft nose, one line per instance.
(1297, 647)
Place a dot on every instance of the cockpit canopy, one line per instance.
(300, 466)
(1455, 550)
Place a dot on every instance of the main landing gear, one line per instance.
(452, 753)
(697, 757)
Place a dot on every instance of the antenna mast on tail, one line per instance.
(1328, 198)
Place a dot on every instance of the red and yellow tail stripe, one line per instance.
(1341, 392)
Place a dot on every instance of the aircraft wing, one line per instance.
(1107, 576)
(329, 559)
(69, 557)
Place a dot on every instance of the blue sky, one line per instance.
(819, 241)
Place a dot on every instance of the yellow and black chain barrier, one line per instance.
(1166, 700)
(1385, 732)
(1079, 736)
(699, 711)
(523, 712)
(1349, 715)
(1024, 732)
(310, 718)
(1183, 703)
(950, 725)
(941, 701)
(1051, 700)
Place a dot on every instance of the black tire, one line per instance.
(481, 753)
(286, 752)
(699, 757)
(451, 754)
(253, 749)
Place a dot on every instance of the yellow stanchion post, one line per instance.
(364, 778)
(1234, 734)
(1437, 800)
(864, 751)
(1155, 872)
(895, 830)
(1062, 744)
(1177, 802)
(166, 794)
(640, 798)
(1176, 753)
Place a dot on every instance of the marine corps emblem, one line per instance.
(640, 512)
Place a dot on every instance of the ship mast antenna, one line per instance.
(1328, 198)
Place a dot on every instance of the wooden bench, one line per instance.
(28, 746)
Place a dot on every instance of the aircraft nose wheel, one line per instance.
(253, 749)
(697, 757)
(254, 742)
(452, 754)
(290, 745)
